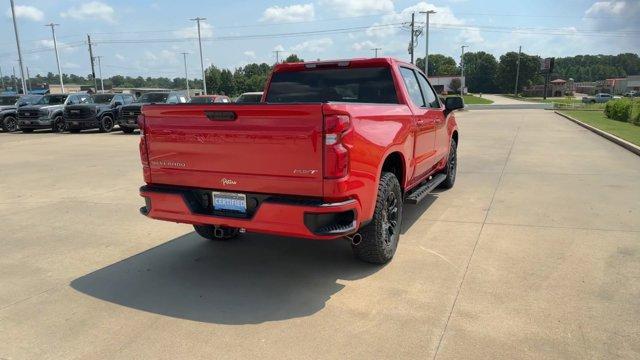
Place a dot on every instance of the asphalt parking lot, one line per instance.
(535, 253)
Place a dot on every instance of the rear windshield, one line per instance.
(249, 98)
(360, 85)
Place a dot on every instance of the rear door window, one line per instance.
(359, 85)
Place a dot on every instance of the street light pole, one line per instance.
(204, 79)
(515, 92)
(55, 47)
(426, 42)
(186, 74)
(462, 70)
(15, 29)
(375, 50)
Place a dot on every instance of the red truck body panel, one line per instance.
(279, 150)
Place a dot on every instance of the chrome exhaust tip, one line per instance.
(355, 239)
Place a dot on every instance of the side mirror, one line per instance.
(453, 103)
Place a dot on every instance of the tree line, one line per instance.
(483, 72)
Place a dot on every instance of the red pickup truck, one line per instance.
(333, 150)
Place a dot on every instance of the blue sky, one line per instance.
(243, 31)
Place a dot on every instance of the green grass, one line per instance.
(623, 130)
(560, 102)
(472, 99)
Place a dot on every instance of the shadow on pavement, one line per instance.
(253, 279)
(411, 213)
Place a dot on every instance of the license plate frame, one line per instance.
(229, 202)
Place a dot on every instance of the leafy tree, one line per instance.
(455, 84)
(293, 58)
(439, 65)
(480, 69)
(529, 71)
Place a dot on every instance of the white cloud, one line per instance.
(250, 53)
(27, 12)
(278, 47)
(191, 32)
(120, 57)
(443, 17)
(606, 8)
(363, 45)
(470, 35)
(358, 7)
(315, 46)
(91, 11)
(292, 13)
(61, 45)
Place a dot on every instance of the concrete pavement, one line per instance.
(535, 253)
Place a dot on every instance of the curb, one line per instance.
(523, 106)
(625, 144)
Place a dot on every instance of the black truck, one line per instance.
(9, 105)
(98, 112)
(128, 119)
(47, 113)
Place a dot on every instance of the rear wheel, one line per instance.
(106, 124)
(380, 237)
(220, 234)
(58, 125)
(452, 166)
(10, 124)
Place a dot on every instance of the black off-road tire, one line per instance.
(27, 130)
(9, 124)
(58, 125)
(208, 232)
(452, 166)
(106, 124)
(380, 237)
(126, 130)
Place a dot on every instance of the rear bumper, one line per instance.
(306, 218)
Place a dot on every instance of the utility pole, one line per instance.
(15, 81)
(462, 68)
(15, 29)
(55, 47)
(100, 72)
(376, 52)
(277, 52)
(413, 15)
(186, 74)
(29, 88)
(204, 79)
(93, 69)
(426, 41)
(515, 92)
(2, 79)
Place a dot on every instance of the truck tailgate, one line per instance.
(272, 149)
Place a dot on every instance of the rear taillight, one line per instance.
(141, 124)
(336, 155)
(144, 156)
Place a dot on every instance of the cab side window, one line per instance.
(428, 93)
(173, 99)
(72, 100)
(83, 99)
(412, 85)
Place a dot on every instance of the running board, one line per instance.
(419, 193)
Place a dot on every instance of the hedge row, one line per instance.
(626, 110)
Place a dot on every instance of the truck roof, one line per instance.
(357, 62)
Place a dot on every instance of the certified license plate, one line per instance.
(223, 201)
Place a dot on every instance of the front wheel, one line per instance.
(106, 124)
(220, 233)
(379, 238)
(58, 125)
(10, 124)
(452, 166)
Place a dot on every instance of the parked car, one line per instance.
(334, 152)
(250, 98)
(98, 112)
(128, 117)
(632, 93)
(9, 108)
(598, 98)
(48, 112)
(209, 99)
